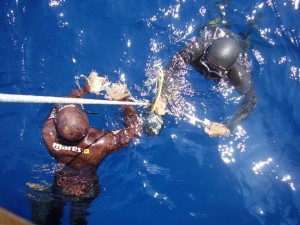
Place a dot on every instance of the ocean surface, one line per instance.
(181, 176)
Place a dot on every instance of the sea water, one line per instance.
(181, 176)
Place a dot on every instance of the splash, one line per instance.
(55, 3)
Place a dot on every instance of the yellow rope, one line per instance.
(161, 76)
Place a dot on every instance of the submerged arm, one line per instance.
(243, 83)
(240, 78)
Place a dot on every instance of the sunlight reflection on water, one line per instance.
(240, 142)
(258, 151)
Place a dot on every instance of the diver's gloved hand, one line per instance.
(96, 83)
(216, 129)
(117, 91)
(152, 124)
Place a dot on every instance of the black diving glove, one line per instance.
(152, 124)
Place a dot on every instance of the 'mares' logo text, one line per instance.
(59, 147)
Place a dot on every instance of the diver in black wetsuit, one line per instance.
(216, 54)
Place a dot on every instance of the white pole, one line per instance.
(204, 122)
(63, 100)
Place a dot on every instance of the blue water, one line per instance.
(182, 176)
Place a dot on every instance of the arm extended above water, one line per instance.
(121, 138)
(180, 60)
(170, 88)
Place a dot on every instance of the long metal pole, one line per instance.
(64, 100)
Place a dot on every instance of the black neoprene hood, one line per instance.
(223, 52)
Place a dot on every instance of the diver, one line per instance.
(218, 55)
(79, 149)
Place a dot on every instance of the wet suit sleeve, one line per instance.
(80, 92)
(153, 123)
(132, 130)
(187, 55)
(242, 81)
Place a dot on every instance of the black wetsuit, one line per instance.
(239, 75)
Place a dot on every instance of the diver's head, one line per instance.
(219, 57)
(71, 122)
